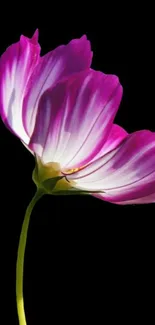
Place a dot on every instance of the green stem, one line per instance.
(20, 258)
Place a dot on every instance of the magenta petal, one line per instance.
(35, 37)
(16, 66)
(115, 137)
(125, 174)
(57, 64)
(75, 117)
(143, 200)
(130, 196)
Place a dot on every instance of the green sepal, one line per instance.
(50, 184)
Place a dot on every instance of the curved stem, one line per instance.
(20, 258)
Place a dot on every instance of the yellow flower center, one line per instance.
(74, 170)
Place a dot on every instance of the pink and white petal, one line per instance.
(27, 147)
(142, 191)
(57, 64)
(94, 110)
(75, 117)
(143, 200)
(16, 66)
(116, 136)
(124, 174)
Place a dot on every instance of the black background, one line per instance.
(85, 259)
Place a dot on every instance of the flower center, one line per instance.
(73, 170)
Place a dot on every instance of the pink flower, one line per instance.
(25, 76)
(64, 111)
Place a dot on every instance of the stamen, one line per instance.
(73, 170)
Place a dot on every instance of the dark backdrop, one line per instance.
(85, 258)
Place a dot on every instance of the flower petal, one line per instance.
(75, 118)
(143, 200)
(57, 64)
(125, 174)
(16, 66)
(116, 136)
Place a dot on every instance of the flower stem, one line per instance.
(20, 258)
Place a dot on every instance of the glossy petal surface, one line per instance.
(126, 174)
(55, 65)
(16, 66)
(75, 117)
